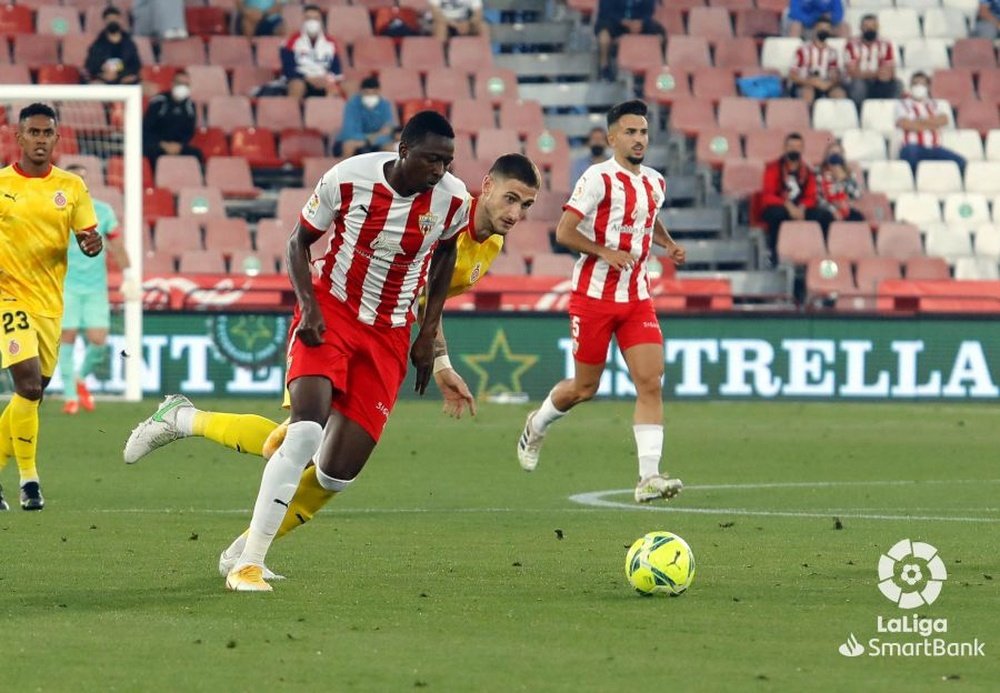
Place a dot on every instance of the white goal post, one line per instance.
(14, 97)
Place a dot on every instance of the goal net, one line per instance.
(100, 129)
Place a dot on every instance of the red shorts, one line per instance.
(593, 322)
(365, 364)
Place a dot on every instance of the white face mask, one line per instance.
(370, 101)
(180, 92)
(919, 91)
(312, 27)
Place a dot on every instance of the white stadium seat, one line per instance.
(946, 23)
(966, 142)
(948, 242)
(836, 115)
(926, 55)
(993, 145)
(879, 115)
(988, 241)
(778, 52)
(899, 24)
(976, 269)
(983, 177)
(918, 4)
(890, 177)
(920, 209)
(938, 177)
(863, 146)
(970, 209)
(970, 8)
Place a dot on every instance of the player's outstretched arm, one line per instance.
(90, 242)
(311, 326)
(569, 236)
(438, 282)
(662, 237)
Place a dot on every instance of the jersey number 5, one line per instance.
(15, 321)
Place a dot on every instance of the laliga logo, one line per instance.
(917, 563)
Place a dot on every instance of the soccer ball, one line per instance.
(660, 563)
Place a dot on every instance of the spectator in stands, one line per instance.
(837, 185)
(369, 121)
(113, 57)
(988, 25)
(161, 18)
(616, 18)
(788, 192)
(804, 14)
(597, 143)
(920, 120)
(169, 123)
(815, 72)
(457, 18)
(259, 17)
(871, 64)
(310, 61)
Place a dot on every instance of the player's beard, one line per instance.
(635, 160)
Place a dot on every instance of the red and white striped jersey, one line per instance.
(618, 210)
(380, 247)
(815, 61)
(911, 109)
(869, 57)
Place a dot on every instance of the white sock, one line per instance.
(236, 548)
(330, 483)
(546, 415)
(649, 444)
(277, 486)
(184, 421)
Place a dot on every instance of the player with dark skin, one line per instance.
(346, 445)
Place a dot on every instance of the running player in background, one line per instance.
(40, 207)
(611, 219)
(509, 189)
(86, 305)
(395, 220)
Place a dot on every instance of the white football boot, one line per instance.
(229, 557)
(655, 487)
(529, 445)
(156, 431)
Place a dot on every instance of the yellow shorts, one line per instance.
(24, 335)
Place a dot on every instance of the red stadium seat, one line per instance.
(325, 114)
(640, 53)
(95, 172)
(820, 284)
(116, 173)
(850, 239)
(173, 235)
(422, 53)
(766, 145)
(58, 21)
(688, 52)
(715, 146)
(211, 141)
(247, 78)
(790, 115)
(977, 53)
(200, 203)
(267, 51)
(690, 116)
(68, 143)
(757, 23)
(384, 18)
(742, 177)
(496, 84)
(374, 53)
(531, 238)
(524, 117)
(176, 172)
(470, 53)
(183, 52)
(471, 172)
(201, 261)
(257, 146)
(448, 84)
(400, 83)
(411, 107)
(58, 74)
(463, 146)
(229, 112)
(272, 236)
(978, 115)
(740, 114)
(876, 208)
(160, 78)
(800, 241)
(667, 84)
(494, 143)
(352, 25)
(156, 203)
(250, 263)
(227, 235)
(206, 21)
(671, 18)
(290, 203)
(472, 115)
(713, 23)
(549, 149)
(207, 81)
(231, 175)
(927, 268)
(713, 83)
(989, 86)
(296, 144)
(279, 113)
(953, 85)
(16, 19)
(738, 54)
(552, 265)
(35, 50)
(899, 240)
(313, 168)
(230, 51)
(872, 270)
(816, 142)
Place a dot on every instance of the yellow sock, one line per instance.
(241, 432)
(308, 499)
(23, 418)
(6, 446)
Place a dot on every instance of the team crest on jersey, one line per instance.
(13, 348)
(60, 199)
(476, 271)
(425, 222)
(312, 205)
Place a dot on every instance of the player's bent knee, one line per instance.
(303, 439)
(30, 391)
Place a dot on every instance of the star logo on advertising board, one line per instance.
(499, 369)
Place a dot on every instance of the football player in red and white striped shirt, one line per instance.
(612, 220)
(815, 69)
(920, 120)
(871, 64)
(393, 218)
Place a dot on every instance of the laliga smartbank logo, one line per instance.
(911, 574)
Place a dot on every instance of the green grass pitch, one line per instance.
(443, 567)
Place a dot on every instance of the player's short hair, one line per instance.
(517, 167)
(633, 107)
(42, 109)
(423, 124)
(110, 10)
(869, 17)
(823, 19)
(920, 74)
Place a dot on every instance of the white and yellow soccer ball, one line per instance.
(660, 563)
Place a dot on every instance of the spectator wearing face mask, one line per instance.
(169, 123)
(815, 72)
(920, 121)
(310, 61)
(837, 186)
(597, 143)
(871, 64)
(788, 192)
(369, 121)
(113, 57)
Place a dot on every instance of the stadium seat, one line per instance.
(229, 112)
(983, 177)
(548, 206)
(95, 171)
(173, 235)
(666, 85)
(945, 23)
(863, 146)
(938, 177)
(374, 53)
(353, 25)
(230, 51)
(200, 203)
(211, 141)
(976, 269)
(206, 21)
(875, 207)
(953, 84)
(411, 107)
(688, 52)
(296, 143)
(970, 209)
(713, 83)
(227, 235)
(756, 23)
(248, 78)
(176, 172)
(978, 115)
(820, 284)
(116, 171)
(850, 239)
(207, 81)
(989, 86)
(159, 77)
(58, 21)
(836, 115)
(251, 263)
(85, 115)
(671, 17)
(690, 116)
(552, 265)
(508, 265)
(640, 53)
(183, 52)
(495, 84)
(816, 143)
(15, 74)
(800, 241)
(993, 145)
(470, 53)
(58, 74)
(879, 115)
(422, 53)
(968, 143)
(740, 114)
(201, 261)
(739, 54)
(267, 51)
(790, 115)
(898, 240)
(532, 238)
(257, 146)
(988, 241)
(313, 168)
(925, 55)
(948, 242)
(278, 113)
(899, 24)
(401, 83)
(290, 203)
(92, 21)
(16, 19)
(472, 115)
(325, 114)
(713, 23)
(34, 50)
(471, 172)
(549, 149)
(231, 175)
(272, 235)
(890, 177)
(742, 177)
(715, 146)
(927, 268)
(766, 145)
(977, 53)
(524, 117)
(778, 52)
(448, 84)
(872, 270)
(918, 208)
